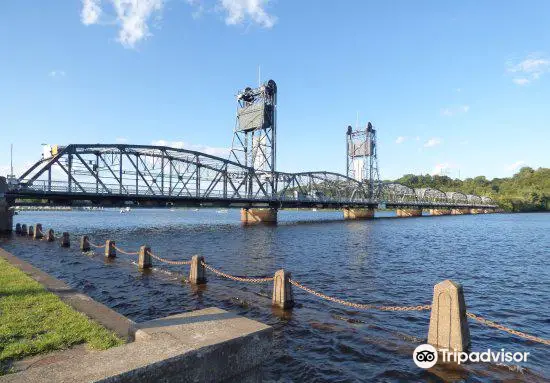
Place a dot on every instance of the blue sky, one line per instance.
(451, 86)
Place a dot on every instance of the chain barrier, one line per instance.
(167, 261)
(96, 246)
(297, 284)
(125, 252)
(360, 305)
(492, 324)
(235, 278)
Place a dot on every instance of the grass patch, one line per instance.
(35, 321)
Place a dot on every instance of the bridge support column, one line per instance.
(409, 212)
(6, 214)
(488, 211)
(440, 211)
(476, 211)
(251, 216)
(358, 213)
(460, 211)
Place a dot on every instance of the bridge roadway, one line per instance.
(144, 175)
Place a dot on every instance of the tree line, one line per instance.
(527, 190)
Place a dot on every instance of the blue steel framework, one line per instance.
(158, 176)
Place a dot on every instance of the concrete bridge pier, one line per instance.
(476, 211)
(440, 211)
(251, 216)
(409, 212)
(488, 211)
(358, 213)
(6, 214)
(460, 211)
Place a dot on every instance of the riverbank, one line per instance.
(35, 321)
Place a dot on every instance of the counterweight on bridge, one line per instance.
(361, 158)
(254, 139)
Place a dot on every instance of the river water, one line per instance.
(500, 259)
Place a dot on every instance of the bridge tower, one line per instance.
(362, 161)
(254, 138)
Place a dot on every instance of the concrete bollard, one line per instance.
(110, 251)
(282, 290)
(38, 231)
(23, 229)
(84, 243)
(65, 240)
(144, 258)
(448, 323)
(197, 272)
(30, 231)
(50, 236)
(18, 229)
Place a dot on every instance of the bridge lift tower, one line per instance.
(362, 161)
(254, 138)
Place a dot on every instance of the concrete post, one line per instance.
(282, 290)
(50, 236)
(110, 251)
(24, 229)
(84, 243)
(65, 240)
(18, 229)
(38, 231)
(30, 231)
(448, 323)
(254, 216)
(197, 272)
(6, 214)
(409, 212)
(440, 211)
(144, 258)
(358, 213)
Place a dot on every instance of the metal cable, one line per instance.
(164, 260)
(508, 330)
(125, 252)
(235, 278)
(360, 305)
(96, 246)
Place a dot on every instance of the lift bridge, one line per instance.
(146, 176)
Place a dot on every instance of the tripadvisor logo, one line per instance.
(426, 356)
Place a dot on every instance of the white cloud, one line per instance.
(532, 68)
(131, 15)
(521, 81)
(240, 10)
(515, 166)
(57, 73)
(432, 142)
(214, 151)
(90, 11)
(454, 110)
(400, 139)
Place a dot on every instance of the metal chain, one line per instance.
(124, 252)
(360, 305)
(235, 278)
(508, 330)
(96, 246)
(164, 260)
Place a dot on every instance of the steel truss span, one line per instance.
(159, 175)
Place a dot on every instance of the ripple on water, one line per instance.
(500, 259)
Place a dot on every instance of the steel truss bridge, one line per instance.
(114, 175)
